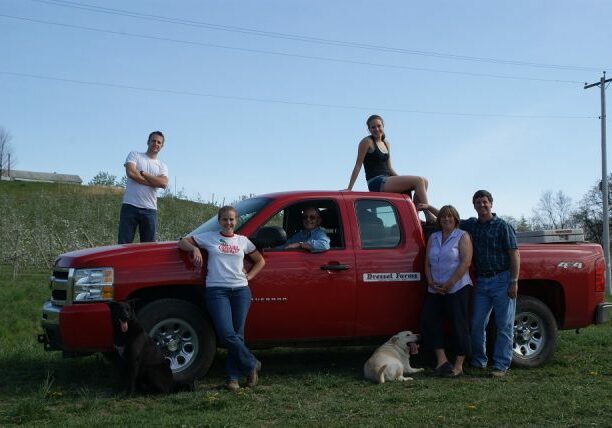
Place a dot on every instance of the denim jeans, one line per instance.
(377, 183)
(130, 218)
(492, 294)
(228, 308)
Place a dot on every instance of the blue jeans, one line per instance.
(492, 294)
(130, 218)
(228, 308)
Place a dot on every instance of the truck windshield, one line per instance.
(246, 209)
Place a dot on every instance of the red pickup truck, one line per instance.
(369, 285)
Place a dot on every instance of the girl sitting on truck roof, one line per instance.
(373, 154)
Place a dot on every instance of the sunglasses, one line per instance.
(309, 217)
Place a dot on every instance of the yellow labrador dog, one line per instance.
(392, 360)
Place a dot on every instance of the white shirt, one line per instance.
(444, 258)
(137, 194)
(225, 258)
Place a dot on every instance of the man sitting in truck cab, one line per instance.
(312, 237)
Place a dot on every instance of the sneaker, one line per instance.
(498, 373)
(232, 385)
(253, 377)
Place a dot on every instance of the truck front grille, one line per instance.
(60, 274)
(61, 286)
(58, 295)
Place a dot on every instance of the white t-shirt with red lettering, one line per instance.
(225, 258)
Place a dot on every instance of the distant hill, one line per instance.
(38, 221)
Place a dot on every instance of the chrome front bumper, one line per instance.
(50, 338)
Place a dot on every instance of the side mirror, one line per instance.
(269, 237)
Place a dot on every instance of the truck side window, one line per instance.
(290, 220)
(378, 225)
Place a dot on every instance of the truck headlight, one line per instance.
(93, 284)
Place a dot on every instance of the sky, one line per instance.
(272, 95)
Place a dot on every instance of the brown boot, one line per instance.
(253, 377)
(232, 385)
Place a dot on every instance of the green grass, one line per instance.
(41, 220)
(311, 387)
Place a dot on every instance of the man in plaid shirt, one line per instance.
(497, 263)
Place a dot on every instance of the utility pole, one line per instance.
(604, 178)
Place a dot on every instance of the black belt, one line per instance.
(490, 273)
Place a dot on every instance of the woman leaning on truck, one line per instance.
(374, 154)
(228, 296)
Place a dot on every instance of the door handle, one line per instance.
(335, 267)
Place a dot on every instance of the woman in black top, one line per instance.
(373, 154)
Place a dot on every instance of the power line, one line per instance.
(290, 55)
(286, 102)
(307, 39)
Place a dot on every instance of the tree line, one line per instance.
(556, 210)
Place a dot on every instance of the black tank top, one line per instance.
(375, 163)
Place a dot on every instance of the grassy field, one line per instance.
(41, 220)
(312, 387)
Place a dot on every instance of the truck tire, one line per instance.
(535, 333)
(184, 335)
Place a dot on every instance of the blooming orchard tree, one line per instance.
(103, 179)
(7, 159)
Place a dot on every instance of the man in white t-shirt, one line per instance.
(145, 174)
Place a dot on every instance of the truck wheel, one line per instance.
(535, 333)
(183, 334)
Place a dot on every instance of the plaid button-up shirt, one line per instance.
(491, 241)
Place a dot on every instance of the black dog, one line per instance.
(146, 368)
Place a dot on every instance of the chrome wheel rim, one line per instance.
(178, 342)
(529, 335)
